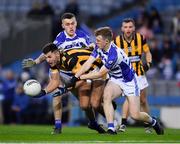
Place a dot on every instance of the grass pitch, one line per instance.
(42, 134)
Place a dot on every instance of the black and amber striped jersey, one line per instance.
(134, 50)
(72, 60)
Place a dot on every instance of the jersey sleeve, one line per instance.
(88, 41)
(85, 36)
(112, 58)
(59, 40)
(95, 53)
(145, 45)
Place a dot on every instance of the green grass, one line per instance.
(41, 134)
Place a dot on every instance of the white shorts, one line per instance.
(128, 88)
(143, 83)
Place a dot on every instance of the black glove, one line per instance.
(72, 82)
(28, 63)
(147, 66)
(42, 93)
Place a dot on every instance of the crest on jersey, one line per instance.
(129, 49)
(110, 62)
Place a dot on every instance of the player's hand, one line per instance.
(28, 63)
(147, 66)
(92, 46)
(42, 93)
(72, 82)
(62, 90)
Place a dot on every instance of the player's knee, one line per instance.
(57, 102)
(57, 105)
(107, 98)
(143, 101)
(135, 116)
(95, 105)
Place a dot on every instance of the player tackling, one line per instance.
(123, 79)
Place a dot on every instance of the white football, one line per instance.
(32, 87)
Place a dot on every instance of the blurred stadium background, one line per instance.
(26, 25)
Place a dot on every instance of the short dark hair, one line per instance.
(105, 32)
(49, 47)
(67, 16)
(127, 20)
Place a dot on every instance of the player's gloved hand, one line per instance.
(28, 63)
(42, 93)
(62, 90)
(72, 82)
(147, 66)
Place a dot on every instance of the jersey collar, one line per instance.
(105, 52)
(131, 39)
(67, 36)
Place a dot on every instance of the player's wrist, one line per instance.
(41, 94)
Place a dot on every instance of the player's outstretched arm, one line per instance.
(62, 90)
(52, 85)
(40, 59)
(85, 67)
(96, 74)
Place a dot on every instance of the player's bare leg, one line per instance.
(110, 89)
(57, 108)
(84, 100)
(134, 110)
(96, 96)
(143, 101)
(125, 113)
(145, 108)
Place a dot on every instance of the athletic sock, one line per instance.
(152, 121)
(111, 126)
(57, 124)
(124, 121)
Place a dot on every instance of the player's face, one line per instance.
(101, 42)
(69, 26)
(51, 58)
(128, 28)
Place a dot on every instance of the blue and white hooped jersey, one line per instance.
(116, 61)
(65, 42)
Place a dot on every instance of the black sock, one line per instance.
(124, 121)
